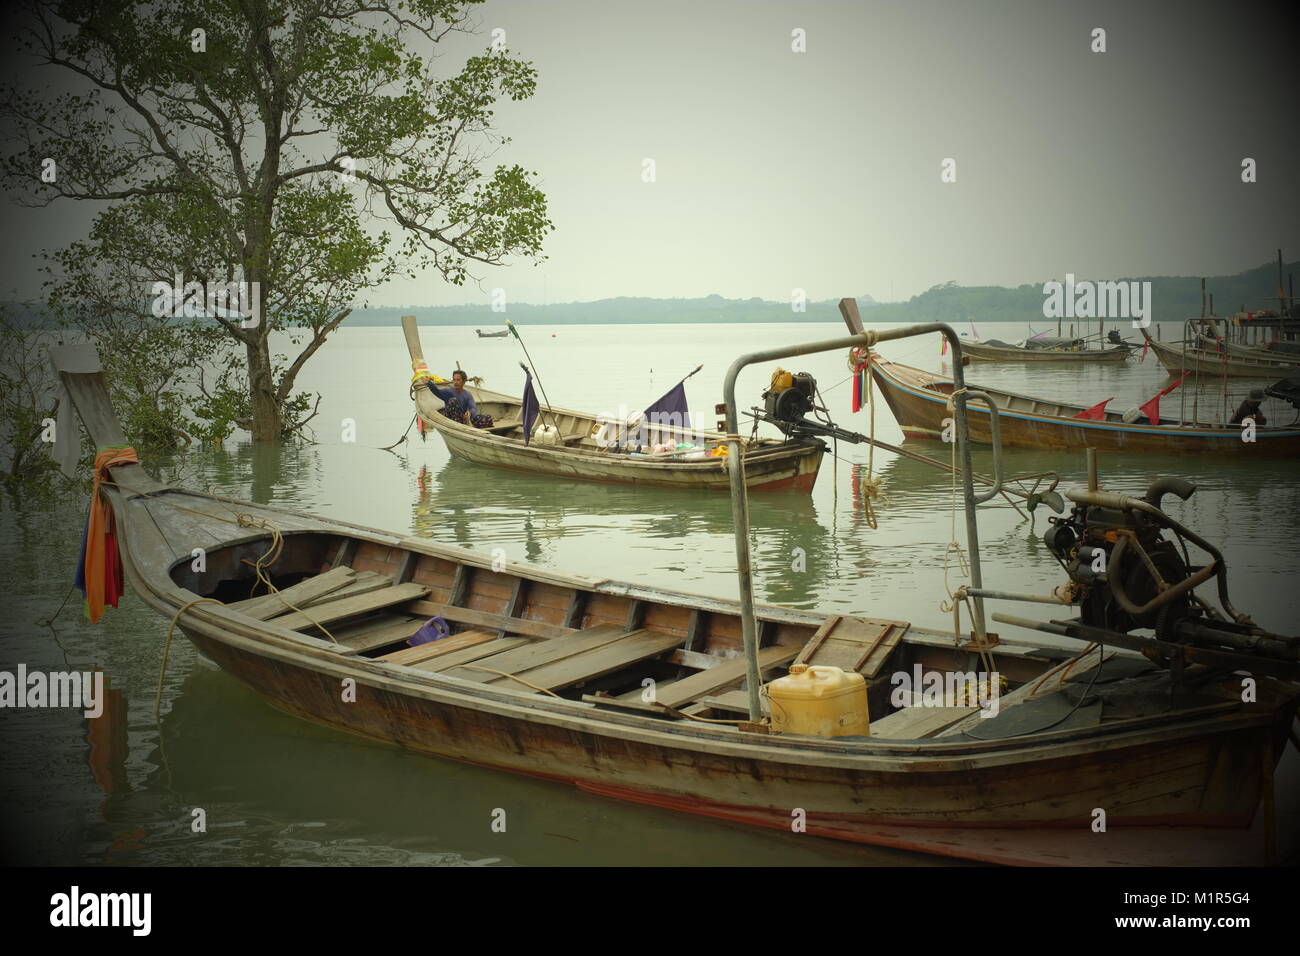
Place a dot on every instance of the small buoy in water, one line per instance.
(552, 335)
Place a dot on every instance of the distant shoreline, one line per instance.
(1172, 298)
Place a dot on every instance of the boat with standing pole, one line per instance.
(660, 449)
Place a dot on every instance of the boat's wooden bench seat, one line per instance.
(689, 690)
(693, 690)
(854, 644)
(435, 649)
(335, 584)
(733, 701)
(384, 596)
(518, 659)
(488, 620)
(629, 647)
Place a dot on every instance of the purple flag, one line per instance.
(530, 408)
(671, 409)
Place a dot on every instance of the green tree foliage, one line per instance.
(27, 407)
(269, 142)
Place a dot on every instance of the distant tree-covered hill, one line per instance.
(1173, 298)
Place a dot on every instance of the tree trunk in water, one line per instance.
(266, 410)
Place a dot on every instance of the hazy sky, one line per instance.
(821, 170)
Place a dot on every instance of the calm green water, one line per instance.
(277, 790)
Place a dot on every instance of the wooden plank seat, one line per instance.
(520, 659)
(733, 701)
(726, 673)
(340, 610)
(689, 690)
(377, 632)
(304, 592)
(486, 620)
(364, 583)
(468, 655)
(629, 648)
(424, 652)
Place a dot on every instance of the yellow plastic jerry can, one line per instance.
(819, 701)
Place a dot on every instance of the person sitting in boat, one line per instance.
(1249, 408)
(457, 402)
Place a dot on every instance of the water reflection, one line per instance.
(349, 800)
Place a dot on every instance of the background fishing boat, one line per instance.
(770, 464)
(1275, 352)
(1042, 350)
(919, 401)
(1187, 357)
(544, 674)
(492, 335)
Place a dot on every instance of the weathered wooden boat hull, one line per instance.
(919, 403)
(769, 465)
(1208, 364)
(1259, 353)
(980, 352)
(1060, 791)
(1146, 782)
(779, 468)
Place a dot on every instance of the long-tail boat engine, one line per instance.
(789, 402)
(1130, 569)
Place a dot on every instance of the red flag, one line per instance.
(857, 391)
(944, 349)
(1152, 408)
(1146, 347)
(1096, 412)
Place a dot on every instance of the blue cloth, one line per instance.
(463, 400)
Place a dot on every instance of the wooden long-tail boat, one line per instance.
(770, 464)
(919, 401)
(1263, 353)
(994, 351)
(545, 674)
(1189, 358)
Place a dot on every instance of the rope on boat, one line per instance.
(243, 520)
(870, 487)
(405, 433)
(171, 630)
(493, 670)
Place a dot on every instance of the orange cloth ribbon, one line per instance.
(102, 567)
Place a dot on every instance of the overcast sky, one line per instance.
(821, 170)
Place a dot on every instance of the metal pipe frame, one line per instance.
(740, 501)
